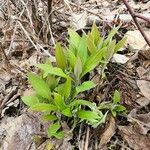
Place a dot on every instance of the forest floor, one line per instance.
(28, 36)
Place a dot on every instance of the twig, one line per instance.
(2, 50)
(29, 15)
(136, 21)
(87, 139)
(36, 47)
(91, 12)
(142, 17)
(8, 65)
(49, 2)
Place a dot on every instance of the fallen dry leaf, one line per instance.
(135, 40)
(78, 21)
(143, 73)
(143, 101)
(135, 140)
(118, 58)
(141, 121)
(108, 133)
(19, 131)
(144, 87)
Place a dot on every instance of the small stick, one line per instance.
(2, 50)
(142, 17)
(87, 139)
(136, 21)
(36, 47)
(6, 59)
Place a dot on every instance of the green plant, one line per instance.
(115, 107)
(58, 88)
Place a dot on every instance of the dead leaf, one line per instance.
(144, 87)
(141, 121)
(19, 131)
(135, 140)
(108, 133)
(78, 21)
(135, 40)
(143, 101)
(143, 73)
(118, 58)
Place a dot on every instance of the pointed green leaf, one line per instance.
(93, 61)
(59, 101)
(67, 112)
(90, 44)
(54, 128)
(78, 68)
(74, 38)
(60, 56)
(77, 102)
(71, 58)
(64, 89)
(82, 49)
(49, 117)
(30, 100)
(87, 85)
(114, 113)
(88, 115)
(52, 70)
(39, 85)
(95, 34)
(110, 51)
(59, 135)
(116, 97)
(119, 108)
(51, 81)
(110, 35)
(43, 107)
(67, 88)
(120, 44)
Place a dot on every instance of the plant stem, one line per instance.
(132, 13)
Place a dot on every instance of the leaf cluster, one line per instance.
(58, 87)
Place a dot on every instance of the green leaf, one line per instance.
(53, 130)
(78, 69)
(88, 115)
(108, 53)
(64, 89)
(114, 113)
(59, 101)
(52, 70)
(49, 117)
(111, 34)
(90, 44)
(119, 108)
(93, 61)
(39, 85)
(120, 44)
(51, 81)
(82, 49)
(60, 56)
(95, 34)
(67, 112)
(43, 107)
(110, 50)
(67, 88)
(87, 85)
(30, 100)
(74, 38)
(59, 135)
(71, 58)
(77, 102)
(116, 97)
